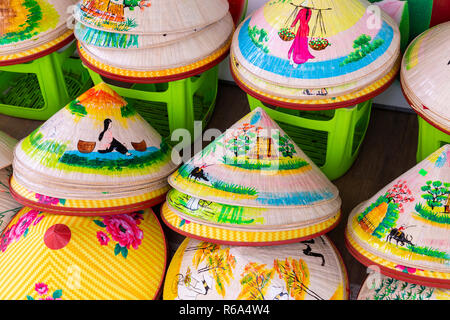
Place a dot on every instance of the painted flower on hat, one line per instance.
(19, 229)
(123, 228)
(41, 288)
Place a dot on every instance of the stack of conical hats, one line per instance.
(8, 206)
(156, 40)
(380, 287)
(32, 28)
(95, 155)
(245, 202)
(315, 54)
(252, 185)
(425, 78)
(404, 228)
(93, 244)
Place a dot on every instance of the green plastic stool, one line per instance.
(39, 88)
(430, 139)
(172, 105)
(330, 138)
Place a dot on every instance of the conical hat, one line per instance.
(312, 98)
(380, 287)
(28, 24)
(223, 234)
(324, 44)
(425, 78)
(405, 225)
(206, 271)
(150, 17)
(254, 164)
(46, 256)
(7, 144)
(8, 206)
(176, 54)
(96, 148)
(112, 40)
(247, 218)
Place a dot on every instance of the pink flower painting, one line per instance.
(122, 229)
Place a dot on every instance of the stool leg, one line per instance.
(180, 106)
(430, 139)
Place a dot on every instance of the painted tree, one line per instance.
(399, 193)
(295, 274)
(363, 46)
(436, 193)
(286, 147)
(218, 262)
(255, 281)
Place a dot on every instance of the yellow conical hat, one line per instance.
(97, 148)
(404, 227)
(311, 270)
(46, 256)
(380, 287)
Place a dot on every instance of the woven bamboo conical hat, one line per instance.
(404, 227)
(247, 218)
(46, 256)
(254, 164)
(321, 43)
(96, 148)
(312, 270)
(8, 206)
(30, 24)
(202, 229)
(112, 40)
(426, 75)
(380, 287)
(176, 54)
(150, 17)
(303, 98)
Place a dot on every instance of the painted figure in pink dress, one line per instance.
(299, 51)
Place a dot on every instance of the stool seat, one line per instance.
(37, 89)
(171, 105)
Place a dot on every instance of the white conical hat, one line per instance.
(404, 227)
(96, 148)
(174, 54)
(150, 17)
(312, 270)
(325, 43)
(380, 287)
(425, 75)
(254, 164)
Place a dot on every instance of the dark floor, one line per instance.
(388, 150)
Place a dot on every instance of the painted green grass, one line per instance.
(257, 165)
(110, 39)
(438, 217)
(234, 188)
(185, 170)
(428, 251)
